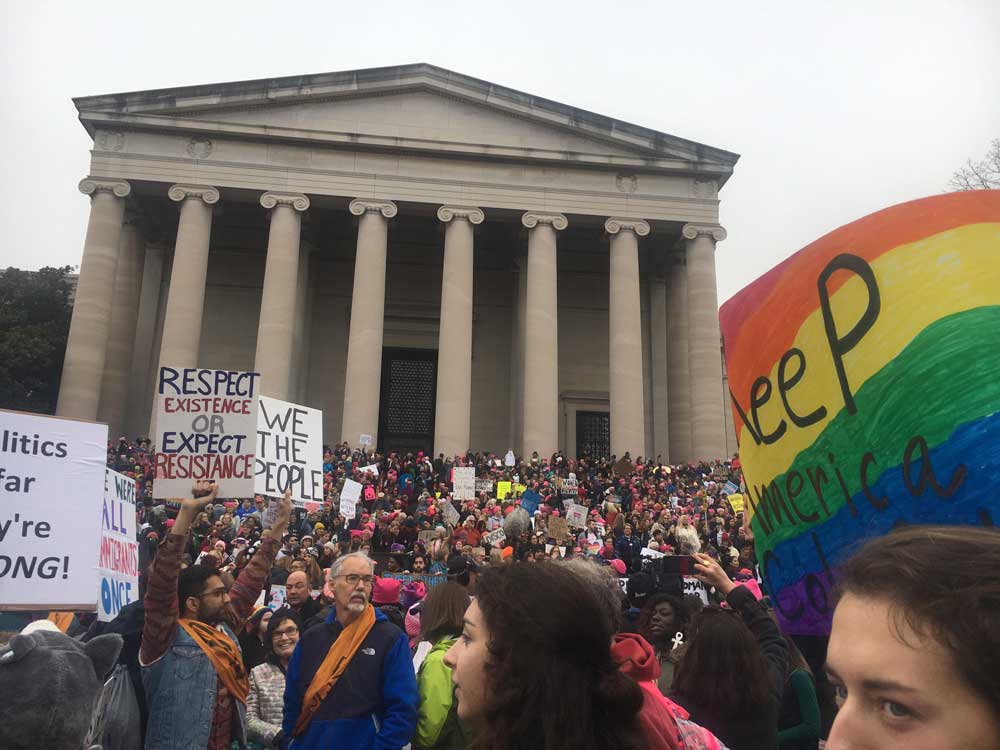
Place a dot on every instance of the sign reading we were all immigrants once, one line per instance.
(206, 429)
(863, 372)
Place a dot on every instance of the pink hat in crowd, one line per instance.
(386, 591)
(618, 566)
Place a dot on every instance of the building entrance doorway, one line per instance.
(407, 402)
(593, 434)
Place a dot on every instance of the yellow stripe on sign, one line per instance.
(918, 283)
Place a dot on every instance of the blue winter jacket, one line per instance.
(373, 706)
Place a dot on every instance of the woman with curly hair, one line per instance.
(661, 619)
(533, 667)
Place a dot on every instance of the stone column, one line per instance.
(678, 372)
(658, 364)
(278, 305)
(186, 298)
(708, 428)
(90, 324)
(454, 372)
(541, 336)
(363, 377)
(628, 430)
(137, 414)
(118, 365)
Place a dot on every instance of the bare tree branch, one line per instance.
(981, 175)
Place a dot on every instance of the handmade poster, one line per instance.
(530, 501)
(118, 562)
(503, 489)
(694, 587)
(495, 538)
(373, 469)
(427, 580)
(484, 485)
(277, 600)
(427, 536)
(863, 380)
(289, 451)
(576, 515)
(558, 529)
(569, 487)
(736, 502)
(350, 494)
(450, 514)
(51, 496)
(729, 488)
(365, 440)
(206, 429)
(464, 480)
(509, 459)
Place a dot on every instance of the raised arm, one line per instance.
(160, 603)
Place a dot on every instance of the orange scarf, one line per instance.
(333, 666)
(224, 655)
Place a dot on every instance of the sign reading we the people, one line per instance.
(289, 451)
(118, 561)
(51, 492)
(206, 425)
(863, 376)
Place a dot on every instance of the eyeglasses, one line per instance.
(214, 592)
(353, 579)
(288, 633)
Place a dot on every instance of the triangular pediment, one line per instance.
(412, 107)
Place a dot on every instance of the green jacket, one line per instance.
(437, 720)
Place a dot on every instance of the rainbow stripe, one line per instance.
(910, 433)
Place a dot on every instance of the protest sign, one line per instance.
(652, 554)
(863, 392)
(206, 429)
(450, 514)
(277, 600)
(118, 562)
(558, 529)
(348, 507)
(427, 580)
(484, 485)
(694, 587)
(729, 488)
(530, 501)
(736, 502)
(576, 515)
(569, 487)
(427, 536)
(289, 451)
(509, 460)
(373, 469)
(464, 481)
(52, 488)
(519, 488)
(365, 440)
(495, 538)
(503, 489)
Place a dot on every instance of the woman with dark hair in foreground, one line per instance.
(533, 667)
(914, 654)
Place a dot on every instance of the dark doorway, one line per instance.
(406, 406)
(593, 434)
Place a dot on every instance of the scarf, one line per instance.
(224, 655)
(334, 665)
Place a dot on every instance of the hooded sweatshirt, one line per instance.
(437, 718)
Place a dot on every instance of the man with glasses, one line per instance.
(192, 669)
(350, 682)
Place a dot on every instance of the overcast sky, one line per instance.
(838, 109)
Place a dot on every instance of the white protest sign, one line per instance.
(495, 538)
(365, 440)
(509, 459)
(277, 597)
(652, 554)
(484, 485)
(51, 494)
(289, 451)
(348, 508)
(119, 556)
(373, 469)
(349, 497)
(576, 515)
(206, 429)
(692, 586)
(569, 487)
(465, 483)
(450, 514)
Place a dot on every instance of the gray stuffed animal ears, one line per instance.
(103, 651)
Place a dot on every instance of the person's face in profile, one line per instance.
(898, 689)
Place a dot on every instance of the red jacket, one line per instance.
(636, 658)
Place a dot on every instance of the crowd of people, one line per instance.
(414, 623)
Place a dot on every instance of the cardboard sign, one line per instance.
(289, 451)
(206, 429)
(558, 529)
(118, 562)
(495, 538)
(576, 515)
(484, 485)
(503, 489)
(464, 480)
(863, 373)
(623, 467)
(52, 489)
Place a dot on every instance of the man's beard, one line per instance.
(211, 615)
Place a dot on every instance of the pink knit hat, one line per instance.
(386, 591)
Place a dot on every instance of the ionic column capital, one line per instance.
(361, 206)
(207, 193)
(533, 218)
(297, 201)
(614, 225)
(693, 231)
(92, 185)
(472, 214)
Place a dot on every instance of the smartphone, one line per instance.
(682, 565)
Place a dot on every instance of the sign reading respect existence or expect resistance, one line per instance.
(119, 556)
(51, 491)
(206, 425)
(863, 375)
(289, 451)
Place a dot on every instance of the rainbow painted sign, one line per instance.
(864, 373)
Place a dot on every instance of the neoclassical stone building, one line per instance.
(431, 259)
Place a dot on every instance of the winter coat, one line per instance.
(437, 715)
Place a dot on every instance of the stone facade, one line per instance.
(528, 265)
